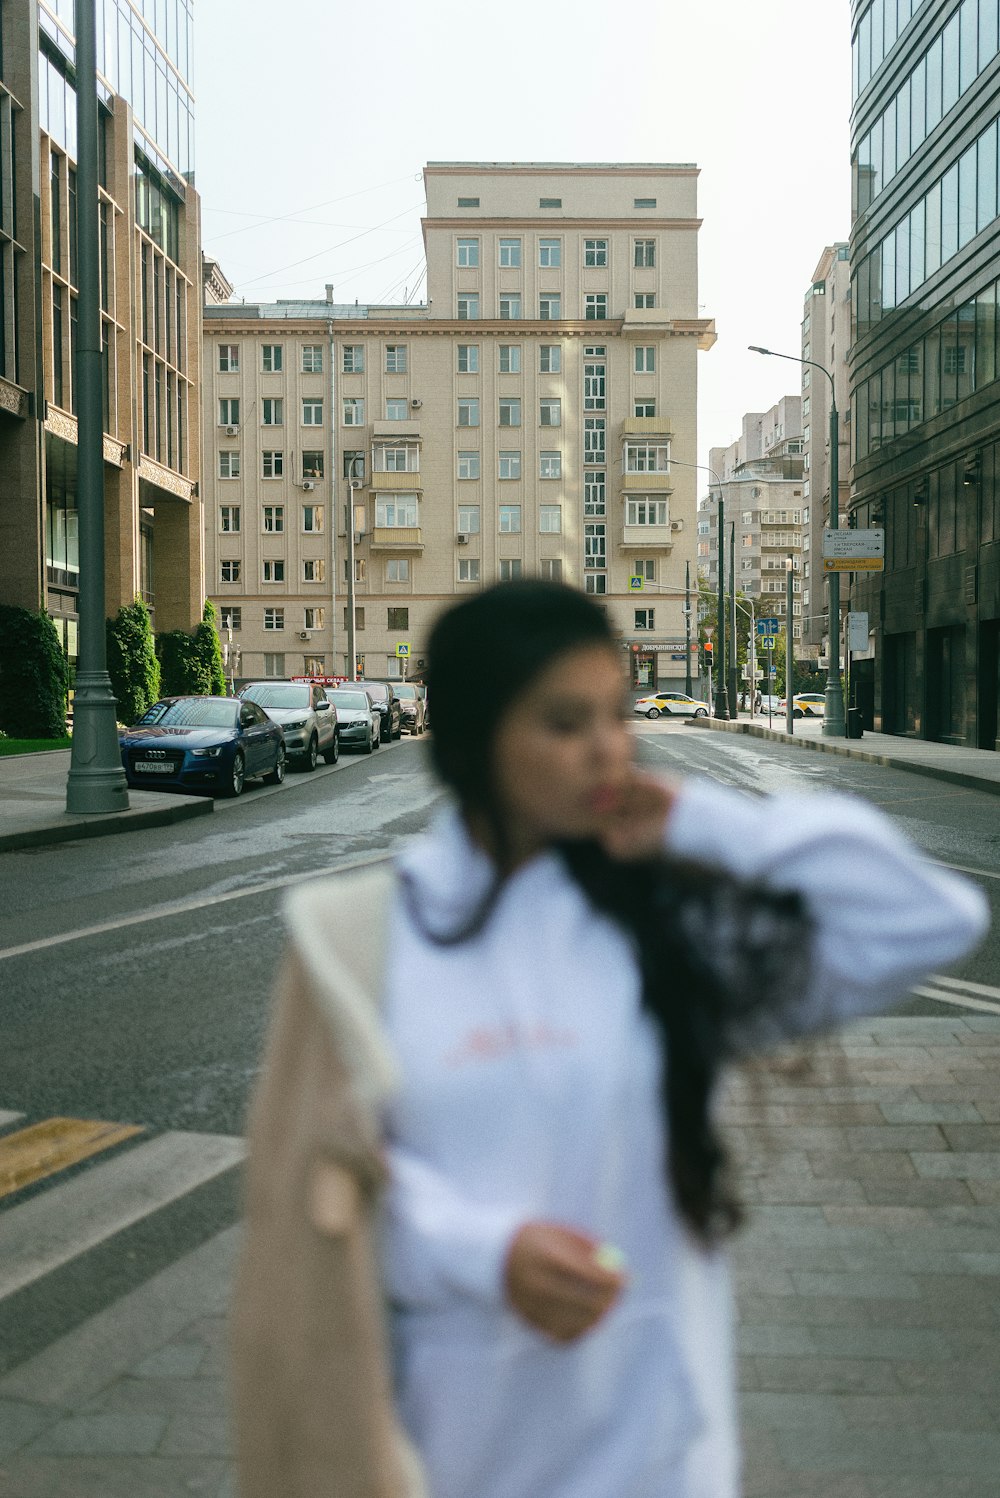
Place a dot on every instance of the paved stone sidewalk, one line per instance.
(868, 1286)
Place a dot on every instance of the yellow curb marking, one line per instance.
(45, 1148)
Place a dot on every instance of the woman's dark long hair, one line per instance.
(715, 955)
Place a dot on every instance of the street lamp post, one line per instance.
(789, 655)
(834, 721)
(688, 684)
(96, 781)
(353, 485)
(722, 708)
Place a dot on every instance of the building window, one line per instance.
(644, 299)
(645, 568)
(273, 572)
(354, 463)
(231, 618)
(315, 665)
(510, 519)
(312, 463)
(595, 582)
(397, 619)
(644, 203)
(272, 464)
(644, 252)
(550, 358)
(645, 619)
(274, 665)
(510, 358)
(510, 412)
(468, 520)
(594, 546)
(313, 618)
(272, 358)
(395, 358)
(550, 412)
(647, 512)
(396, 460)
(229, 358)
(594, 387)
(510, 465)
(550, 202)
(273, 518)
(312, 519)
(274, 618)
(510, 305)
(229, 413)
(644, 408)
(645, 359)
(468, 569)
(359, 614)
(397, 570)
(312, 358)
(550, 519)
(468, 358)
(468, 306)
(314, 570)
(353, 358)
(594, 493)
(229, 571)
(354, 412)
(550, 465)
(397, 510)
(467, 252)
(510, 253)
(229, 464)
(550, 569)
(594, 439)
(468, 411)
(312, 412)
(468, 465)
(595, 252)
(396, 409)
(273, 412)
(550, 307)
(511, 569)
(595, 305)
(468, 202)
(229, 518)
(647, 457)
(549, 253)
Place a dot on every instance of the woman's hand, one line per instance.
(635, 827)
(556, 1284)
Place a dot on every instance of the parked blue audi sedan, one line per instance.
(211, 744)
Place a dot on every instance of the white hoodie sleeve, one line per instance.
(883, 915)
(436, 1242)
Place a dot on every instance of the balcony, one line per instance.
(648, 483)
(397, 537)
(383, 431)
(647, 426)
(661, 537)
(408, 483)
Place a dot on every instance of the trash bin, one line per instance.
(854, 728)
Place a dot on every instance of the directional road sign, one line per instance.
(854, 551)
(768, 626)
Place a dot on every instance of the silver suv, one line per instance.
(306, 717)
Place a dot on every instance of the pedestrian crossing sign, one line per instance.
(403, 649)
(635, 583)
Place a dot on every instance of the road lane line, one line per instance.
(957, 1002)
(45, 1148)
(185, 907)
(966, 985)
(960, 868)
(66, 1221)
(8, 1118)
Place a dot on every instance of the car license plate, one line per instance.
(153, 767)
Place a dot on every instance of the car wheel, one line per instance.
(797, 713)
(399, 731)
(237, 776)
(277, 775)
(311, 755)
(332, 754)
(652, 712)
(372, 744)
(701, 712)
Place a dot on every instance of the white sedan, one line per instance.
(671, 705)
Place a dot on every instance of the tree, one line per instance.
(210, 648)
(132, 664)
(708, 614)
(191, 665)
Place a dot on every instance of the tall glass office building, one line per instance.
(151, 305)
(925, 362)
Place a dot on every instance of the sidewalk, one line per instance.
(869, 1318)
(33, 805)
(979, 769)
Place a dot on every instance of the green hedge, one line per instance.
(132, 663)
(191, 665)
(33, 676)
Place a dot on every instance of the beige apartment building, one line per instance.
(519, 423)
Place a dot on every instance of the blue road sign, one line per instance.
(768, 626)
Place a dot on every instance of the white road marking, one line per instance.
(67, 1220)
(8, 1118)
(941, 997)
(979, 873)
(965, 985)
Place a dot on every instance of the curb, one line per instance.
(867, 756)
(105, 826)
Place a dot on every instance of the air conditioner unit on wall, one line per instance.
(232, 431)
(304, 634)
(308, 485)
(676, 525)
(416, 404)
(462, 538)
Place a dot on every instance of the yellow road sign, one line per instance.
(854, 564)
(403, 649)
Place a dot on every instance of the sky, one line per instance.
(313, 129)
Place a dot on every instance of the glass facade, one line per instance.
(875, 34)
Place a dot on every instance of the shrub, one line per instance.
(33, 676)
(191, 665)
(210, 648)
(132, 663)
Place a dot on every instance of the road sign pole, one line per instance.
(834, 721)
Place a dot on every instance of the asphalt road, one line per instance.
(135, 970)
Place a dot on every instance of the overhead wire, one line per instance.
(328, 249)
(293, 216)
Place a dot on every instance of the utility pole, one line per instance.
(789, 662)
(96, 782)
(734, 680)
(721, 703)
(688, 684)
(353, 485)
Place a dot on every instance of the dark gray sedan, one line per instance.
(358, 719)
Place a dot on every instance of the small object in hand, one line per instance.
(610, 1257)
